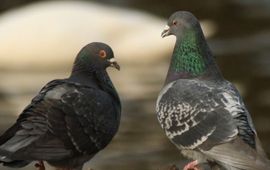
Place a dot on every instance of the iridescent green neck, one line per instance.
(188, 55)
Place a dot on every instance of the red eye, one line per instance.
(174, 22)
(102, 54)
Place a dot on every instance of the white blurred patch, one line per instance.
(52, 33)
(209, 27)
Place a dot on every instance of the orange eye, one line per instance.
(174, 22)
(102, 53)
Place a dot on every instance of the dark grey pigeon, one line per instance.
(202, 113)
(71, 119)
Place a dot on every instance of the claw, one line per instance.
(40, 165)
(192, 166)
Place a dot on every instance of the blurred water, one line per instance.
(241, 45)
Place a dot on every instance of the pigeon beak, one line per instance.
(114, 64)
(165, 32)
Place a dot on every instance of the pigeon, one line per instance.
(202, 113)
(69, 120)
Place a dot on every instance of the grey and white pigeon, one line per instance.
(202, 113)
(71, 119)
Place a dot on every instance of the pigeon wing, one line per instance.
(30, 127)
(194, 114)
(88, 119)
(210, 118)
(63, 119)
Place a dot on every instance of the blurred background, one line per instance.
(40, 39)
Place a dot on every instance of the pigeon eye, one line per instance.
(174, 22)
(102, 54)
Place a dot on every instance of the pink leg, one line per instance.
(40, 165)
(192, 166)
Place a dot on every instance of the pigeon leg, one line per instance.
(192, 166)
(40, 165)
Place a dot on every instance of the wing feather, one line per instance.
(64, 119)
(200, 114)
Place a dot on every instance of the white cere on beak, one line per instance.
(113, 63)
(166, 31)
(112, 60)
(166, 27)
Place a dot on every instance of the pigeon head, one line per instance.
(95, 56)
(191, 56)
(179, 23)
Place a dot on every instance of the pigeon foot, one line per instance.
(192, 166)
(40, 165)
